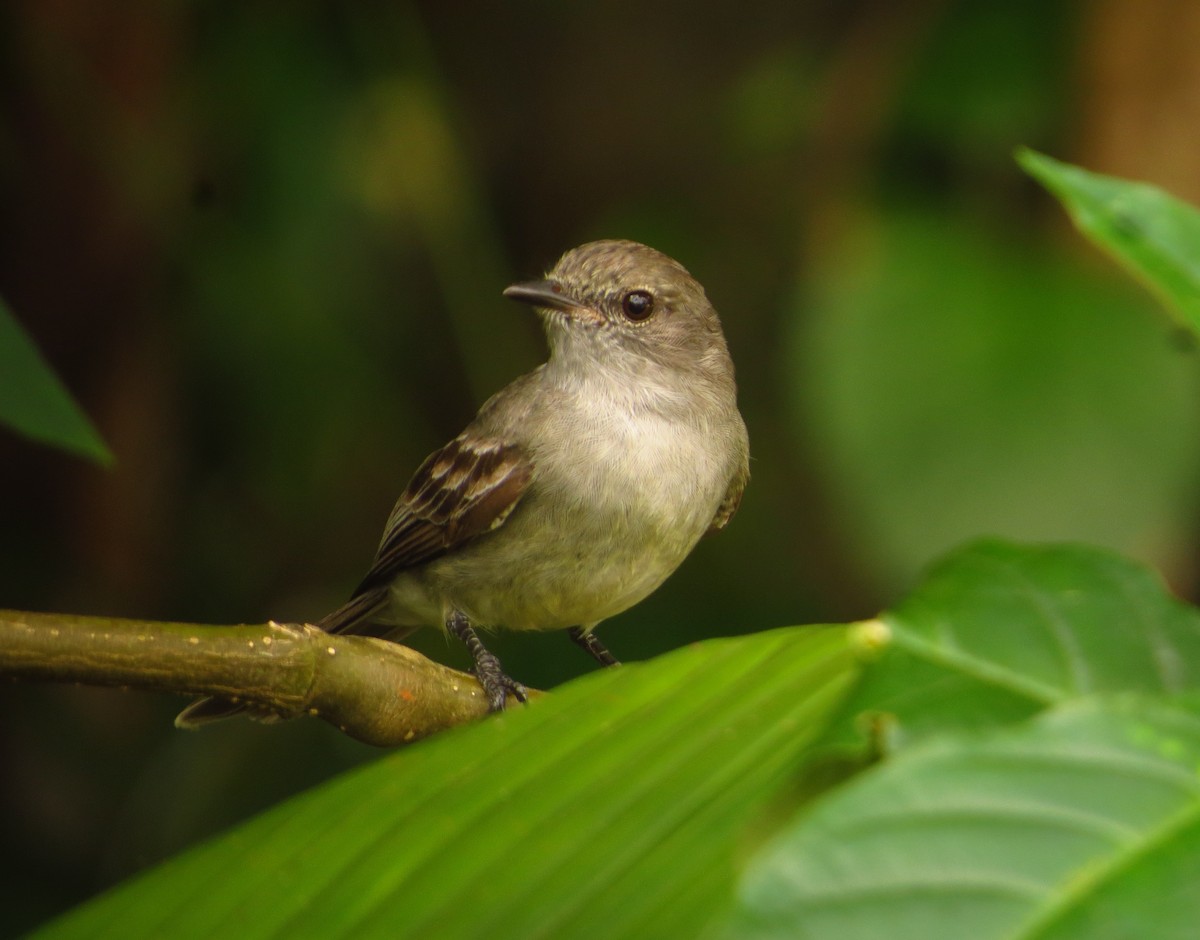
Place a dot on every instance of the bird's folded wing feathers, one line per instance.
(461, 491)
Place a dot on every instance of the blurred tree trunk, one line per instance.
(1139, 92)
(1139, 104)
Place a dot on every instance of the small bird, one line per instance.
(577, 489)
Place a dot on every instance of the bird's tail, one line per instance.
(356, 612)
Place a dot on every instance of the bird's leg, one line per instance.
(590, 642)
(496, 685)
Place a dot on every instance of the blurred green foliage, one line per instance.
(960, 383)
(265, 247)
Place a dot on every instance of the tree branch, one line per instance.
(379, 692)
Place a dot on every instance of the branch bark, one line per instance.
(379, 692)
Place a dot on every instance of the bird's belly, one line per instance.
(591, 537)
(557, 575)
(582, 549)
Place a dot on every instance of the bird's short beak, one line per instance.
(546, 294)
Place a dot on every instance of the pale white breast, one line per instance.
(642, 452)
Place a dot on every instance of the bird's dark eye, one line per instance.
(637, 304)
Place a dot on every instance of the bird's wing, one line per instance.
(733, 498)
(461, 491)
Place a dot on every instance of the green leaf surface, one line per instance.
(1155, 236)
(1081, 825)
(34, 402)
(613, 808)
(1052, 621)
(998, 631)
(621, 805)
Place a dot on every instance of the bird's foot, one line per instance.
(497, 685)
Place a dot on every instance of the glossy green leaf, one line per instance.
(998, 631)
(34, 402)
(1155, 236)
(621, 805)
(612, 808)
(1082, 825)
(1052, 621)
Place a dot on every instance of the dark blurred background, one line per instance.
(264, 245)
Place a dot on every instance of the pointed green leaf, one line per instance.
(612, 808)
(1083, 825)
(1052, 621)
(33, 401)
(1155, 236)
(998, 631)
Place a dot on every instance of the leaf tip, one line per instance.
(872, 636)
(1036, 164)
(100, 455)
(108, 460)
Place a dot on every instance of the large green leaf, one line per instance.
(1155, 236)
(34, 402)
(612, 808)
(998, 631)
(620, 805)
(1083, 825)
